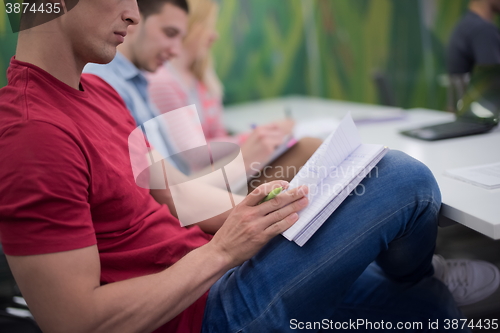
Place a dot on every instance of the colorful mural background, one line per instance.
(328, 48)
(332, 48)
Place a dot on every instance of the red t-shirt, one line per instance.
(67, 183)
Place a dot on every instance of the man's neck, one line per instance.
(51, 53)
(482, 8)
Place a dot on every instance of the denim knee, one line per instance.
(410, 177)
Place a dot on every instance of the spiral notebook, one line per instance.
(334, 171)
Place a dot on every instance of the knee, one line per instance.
(409, 177)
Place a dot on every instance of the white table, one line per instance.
(464, 203)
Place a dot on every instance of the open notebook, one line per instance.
(334, 171)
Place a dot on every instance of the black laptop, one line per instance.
(478, 110)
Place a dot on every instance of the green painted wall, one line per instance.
(7, 44)
(263, 50)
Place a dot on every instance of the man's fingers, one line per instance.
(262, 191)
(280, 220)
(280, 226)
(283, 199)
(282, 213)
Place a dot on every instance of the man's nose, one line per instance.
(131, 12)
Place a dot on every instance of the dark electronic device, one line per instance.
(478, 110)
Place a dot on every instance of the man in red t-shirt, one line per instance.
(71, 213)
(93, 252)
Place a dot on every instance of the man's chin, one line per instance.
(152, 68)
(105, 58)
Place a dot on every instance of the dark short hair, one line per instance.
(149, 7)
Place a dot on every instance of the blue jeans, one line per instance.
(391, 222)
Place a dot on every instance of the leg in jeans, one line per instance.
(394, 221)
(376, 303)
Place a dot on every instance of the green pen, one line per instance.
(272, 194)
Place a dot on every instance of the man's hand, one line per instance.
(250, 226)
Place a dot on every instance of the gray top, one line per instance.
(474, 41)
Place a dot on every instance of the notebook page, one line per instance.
(341, 176)
(330, 187)
(336, 148)
(306, 233)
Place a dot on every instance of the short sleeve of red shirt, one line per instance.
(44, 203)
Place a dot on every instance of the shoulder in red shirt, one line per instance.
(67, 182)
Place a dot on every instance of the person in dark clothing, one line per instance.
(476, 39)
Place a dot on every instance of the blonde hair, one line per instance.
(201, 12)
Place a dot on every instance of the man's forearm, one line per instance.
(145, 303)
(137, 305)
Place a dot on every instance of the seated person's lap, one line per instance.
(284, 281)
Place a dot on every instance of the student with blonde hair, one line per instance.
(190, 78)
